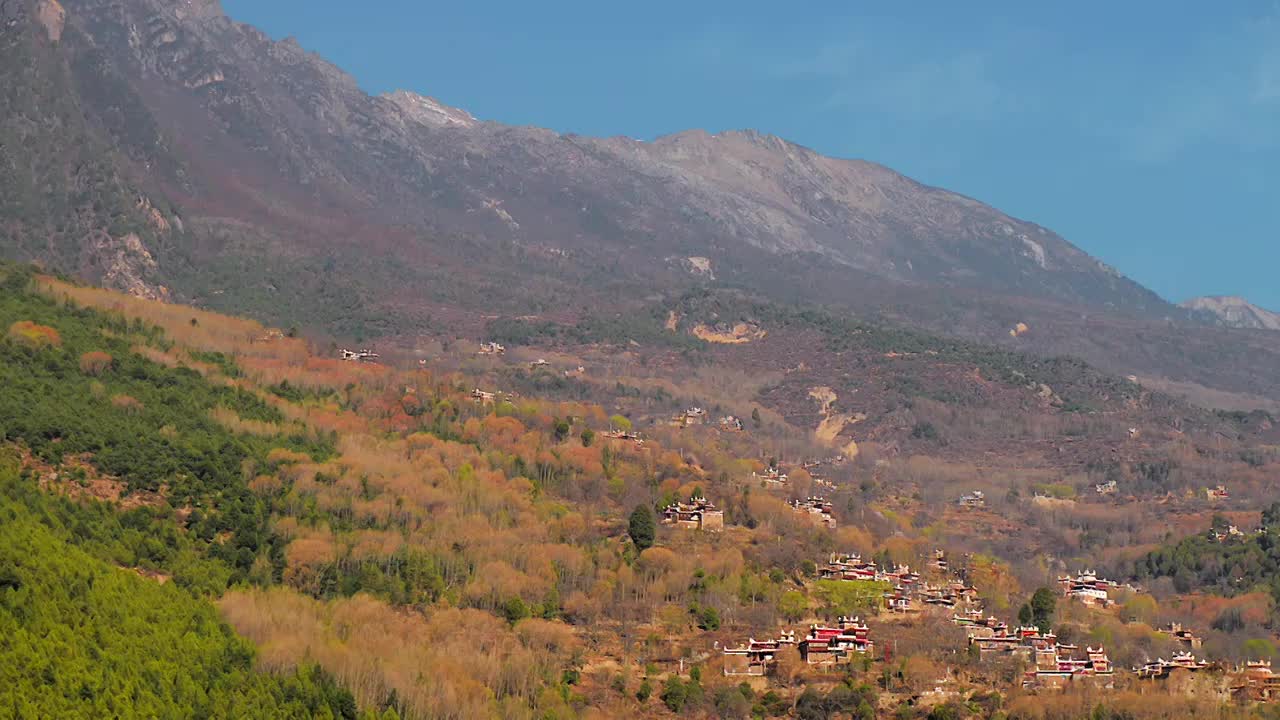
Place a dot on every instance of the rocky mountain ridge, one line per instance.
(1234, 312)
(211, 163)
(252, 101)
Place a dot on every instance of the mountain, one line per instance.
(1235, 312)
(775, 353)
(226, 122)
(162, 148)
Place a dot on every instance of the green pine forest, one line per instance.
(83, 634)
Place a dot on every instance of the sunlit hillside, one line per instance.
(454, 537)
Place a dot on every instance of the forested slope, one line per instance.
(444, 553)
(105, 607)
(80, 638)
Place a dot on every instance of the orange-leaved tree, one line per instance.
(95, 362)
(34, 335)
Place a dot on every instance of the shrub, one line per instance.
(95, 363)
(126, 404)
(32, 335)
(675, 694)
(708, 617)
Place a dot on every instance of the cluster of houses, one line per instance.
(975, 499)
(823, 646)
(850, 566)
(1087, 588)
(1160, 669)
(849, 638)
(696, 416)
(1257, 682)
(1109, 487)
(771, 476)
(689, 418)
(624, 436)
(1056, 663)
(818, 510)
(1217, 493)
(484, 397)
(838, 645)
(948, 595)
(731, 423)
(756, 657)
(362, 355)
(1053, 664)
(1230, 534)
(816, 468)
(1061, 664)
(1050, 664)
(1183, 635)
(492, 348)
(1091, 590)
(697, 514)
(907, 593)
(940, 561)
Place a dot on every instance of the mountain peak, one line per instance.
(1234, 311)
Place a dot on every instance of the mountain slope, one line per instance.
(212, 163)
(65, 193)
(1234, 312)
(229, 122)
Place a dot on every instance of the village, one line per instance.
(904, 597)
(1052, 664)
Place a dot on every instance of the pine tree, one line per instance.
(1024, 615)
(642, 527)
(1043, 607)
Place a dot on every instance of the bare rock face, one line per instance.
(52, 17)
(196, 10)
(429, 111)
(1234, 312)
(123, 263)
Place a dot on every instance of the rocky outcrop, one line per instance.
(1234, 312)
(52, 17)
(122, 263)
(429, 111)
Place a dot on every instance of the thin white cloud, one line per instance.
(1227, 92)
(1267, 72)
(1232, 98)
(1267, 85)
(862, 75)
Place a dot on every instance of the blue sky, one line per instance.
(1147, 133)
